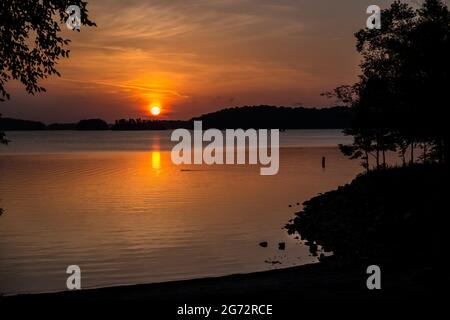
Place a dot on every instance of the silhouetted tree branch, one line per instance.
(398, 102)
(30, 40)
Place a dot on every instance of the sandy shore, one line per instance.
(322, 281)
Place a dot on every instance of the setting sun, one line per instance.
(155, 110)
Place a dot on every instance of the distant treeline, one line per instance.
(270, 117)
(141, 124)
(9, 124)
(239, 117)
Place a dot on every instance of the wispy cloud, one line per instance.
(188, 52)
(143, 89)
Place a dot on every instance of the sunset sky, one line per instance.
(196, 56)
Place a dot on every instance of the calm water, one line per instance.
(114, 204)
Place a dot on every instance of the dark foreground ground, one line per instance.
(318, 282)
(306, 292)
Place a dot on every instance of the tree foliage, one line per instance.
(399, 100)
(31, 41)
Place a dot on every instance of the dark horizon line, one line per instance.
(155, 119)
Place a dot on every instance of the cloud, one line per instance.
(187, 52)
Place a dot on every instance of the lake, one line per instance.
(114, 204)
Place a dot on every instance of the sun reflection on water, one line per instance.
(156, 160)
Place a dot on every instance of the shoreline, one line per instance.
(312, 282)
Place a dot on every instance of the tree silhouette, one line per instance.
(398, 102)
(30, 41)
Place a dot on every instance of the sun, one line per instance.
(155, 110)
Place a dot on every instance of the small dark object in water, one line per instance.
(323, 162)
(290, 206)
(282, 246)
(263, 244)
(273, 262)
(298, 203)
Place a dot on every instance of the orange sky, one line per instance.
(197, 56)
